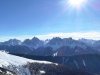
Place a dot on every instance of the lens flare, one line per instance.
(76, 3)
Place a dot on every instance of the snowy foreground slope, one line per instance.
(17, 64)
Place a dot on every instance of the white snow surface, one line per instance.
(16, 63)
(6, 59)
(55, 54)
(42, 72)
(84, 63)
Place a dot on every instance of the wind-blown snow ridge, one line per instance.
(16, 64)
(6, 59)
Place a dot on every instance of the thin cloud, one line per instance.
(74, 35)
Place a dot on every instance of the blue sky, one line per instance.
(37, 17)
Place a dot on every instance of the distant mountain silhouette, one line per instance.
(51, 47)
(33, 43)
(12, 42)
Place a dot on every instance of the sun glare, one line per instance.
(76, 3)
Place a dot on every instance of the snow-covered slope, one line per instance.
(17, 64)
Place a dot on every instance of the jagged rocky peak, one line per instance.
(87, 41)
(55, 42)
(35, 39)
(33, 43)
(68, 41)
(12, 42)
(70, 38)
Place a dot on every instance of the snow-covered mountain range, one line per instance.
(55, 42)
(62, 47)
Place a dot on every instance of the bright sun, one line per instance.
(76, 3)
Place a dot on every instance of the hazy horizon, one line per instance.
(73, 35)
